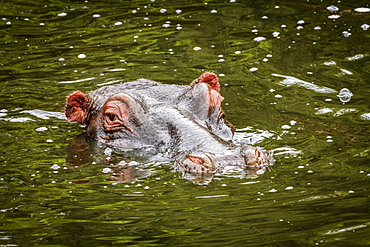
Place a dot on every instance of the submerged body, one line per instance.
(186, 122)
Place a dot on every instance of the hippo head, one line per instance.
(145, 113)
(185, 122)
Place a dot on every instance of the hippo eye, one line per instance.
(111, 116)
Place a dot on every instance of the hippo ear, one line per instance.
(76, 107)
(208, 77)
(204, 101)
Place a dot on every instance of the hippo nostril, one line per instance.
(195, 160)
(254, 157)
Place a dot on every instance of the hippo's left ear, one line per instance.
(76, 107)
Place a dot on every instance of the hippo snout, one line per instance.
(255, 158)
(206, 162)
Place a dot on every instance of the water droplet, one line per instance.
(106, 170)
(178, 11)
(345, 95)
(324, 111)
(253, 69)
(118, 23)
(365, 116)
(213, 11)
(122, 163)
(358, 56)
(41, 129)
(362, 10)
(365, 26)
(258, 39)
(81, 56)
(276, 34)
(197, 48)
(96, 16)
(108, 151)
(346, 34)
(163, 11)
(55, 167)
(332, 8)
(133, 163)
(333, 17)
(289, 188)
(330, 63)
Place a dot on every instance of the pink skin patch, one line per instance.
(195, 160)
(116, 116)
(212, 80)
(216, 98)
(75, 108)
(209, 78)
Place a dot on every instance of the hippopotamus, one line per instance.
(184, 122)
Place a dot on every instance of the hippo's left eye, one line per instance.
(111, 117)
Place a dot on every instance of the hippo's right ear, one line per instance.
(76, 107)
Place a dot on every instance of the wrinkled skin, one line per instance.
(184, 122)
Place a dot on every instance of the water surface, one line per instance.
(295, 77)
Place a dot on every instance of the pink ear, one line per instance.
(76, 107)
(209, 78)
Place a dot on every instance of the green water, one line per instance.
(281, 66)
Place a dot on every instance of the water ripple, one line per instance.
(290, 80)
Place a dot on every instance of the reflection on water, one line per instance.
(294, 76)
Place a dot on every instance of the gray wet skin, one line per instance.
(186, 122)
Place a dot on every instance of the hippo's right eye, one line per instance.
(111, 117)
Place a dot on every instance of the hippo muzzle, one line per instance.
(205, 162)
